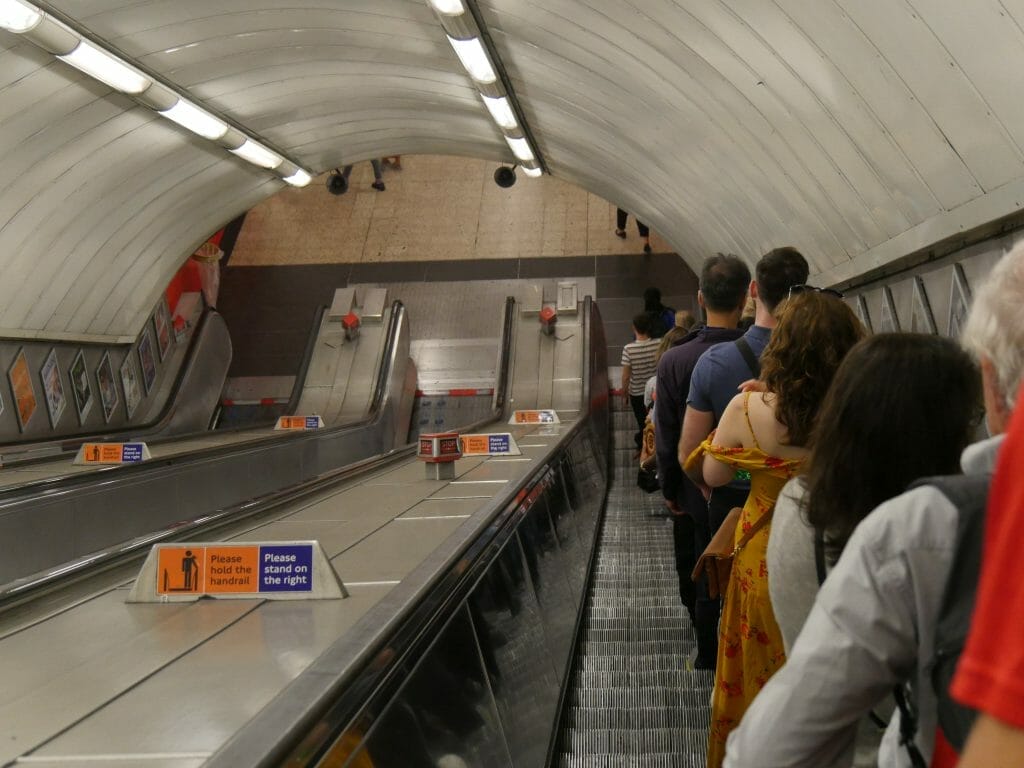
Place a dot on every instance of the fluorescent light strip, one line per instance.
(532, 172)
(474, 58)
(106, 68)
(197, 120)
(448, 7)
(258, 155)
(501, 111)
(520, 148)
(18, 17)
(299, 179)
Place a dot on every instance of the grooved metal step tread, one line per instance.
(634, 698)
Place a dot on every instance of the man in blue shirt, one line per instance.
(715, 381)
(722, 294)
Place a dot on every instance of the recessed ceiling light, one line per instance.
(474, 58)
(196, 120)
(106, 68)
(258, 155)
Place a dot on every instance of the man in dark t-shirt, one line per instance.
(714, 382)
(723, 292)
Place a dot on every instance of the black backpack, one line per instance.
(969, 494)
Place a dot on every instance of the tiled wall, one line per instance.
(434, 209)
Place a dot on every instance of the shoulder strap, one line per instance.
(762, 521)
(819, 556)
(746, 412)
(748, 356)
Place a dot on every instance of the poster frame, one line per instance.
(82, 408)
(131, 386)
(147, 359)
(53, 388)
(108, 409)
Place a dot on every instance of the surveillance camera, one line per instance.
(337, 184)
(505, 177)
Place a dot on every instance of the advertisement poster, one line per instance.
(162, 323)
(107, 385)
(147, 359)
(80, 386)
(130, 382)
(21, 385)
(53, 387)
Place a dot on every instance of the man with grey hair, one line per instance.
(873, 623)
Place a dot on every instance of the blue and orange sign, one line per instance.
(546, 416)
(234, 569)
(298, 423)
(111, 453)
(496, 444)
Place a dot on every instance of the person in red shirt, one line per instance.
(990, 675)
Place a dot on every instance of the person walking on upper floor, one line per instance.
(716, 378)
(643, 229)
(873, 623)
(723, 289)
(637, 367)
(378, 176)
(765, 435)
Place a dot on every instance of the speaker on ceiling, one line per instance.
(505, 177)
(336, 183)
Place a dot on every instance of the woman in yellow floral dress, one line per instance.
(766, 434)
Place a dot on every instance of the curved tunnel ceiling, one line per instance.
(857, 130)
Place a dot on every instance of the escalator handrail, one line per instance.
(72, 481)
(307, 358)
(319, 705)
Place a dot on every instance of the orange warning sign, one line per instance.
(232, 569)
(475, 445)
(208, 570)
(180, 569)
(534, 417)
(101, 453)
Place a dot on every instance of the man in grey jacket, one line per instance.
(872, 624)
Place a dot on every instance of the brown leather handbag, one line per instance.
(716, 560)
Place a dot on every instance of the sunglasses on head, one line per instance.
(804, 288)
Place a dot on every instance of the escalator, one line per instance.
(500, 553)
(514, 641)
(634, 698)
(73, 521)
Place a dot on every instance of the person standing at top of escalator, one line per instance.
(662, 318)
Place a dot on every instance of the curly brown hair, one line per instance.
(814, 332)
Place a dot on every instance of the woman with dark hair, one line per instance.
(765, 435)
(903, 406)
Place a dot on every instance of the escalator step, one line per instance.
(628, 698)
(604, 741)
(634, 699)
(639, 717)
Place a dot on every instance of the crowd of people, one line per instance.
(832, 520)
